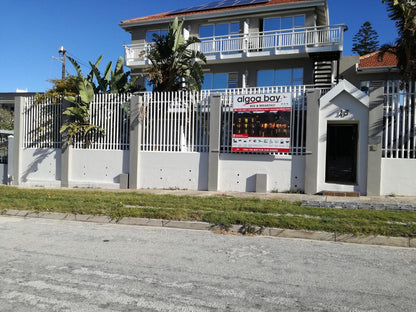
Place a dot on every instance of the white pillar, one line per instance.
(10, 158)
(135, 140)
(18, 139)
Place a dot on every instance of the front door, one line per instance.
(341, 153)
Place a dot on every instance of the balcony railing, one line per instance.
(297, 40)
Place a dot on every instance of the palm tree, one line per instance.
(403, 13)
(175, 65)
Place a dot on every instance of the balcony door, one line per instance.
(278, 32)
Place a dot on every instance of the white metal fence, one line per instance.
(399, 136)
(111, 112)
(175, 122)
(41, 123)
(179, 121)
(171, 121)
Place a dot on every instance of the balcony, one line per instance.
(255, 46)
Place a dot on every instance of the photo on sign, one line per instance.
(261, 123)
(267, 124)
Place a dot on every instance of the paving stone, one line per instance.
(133, 221)
(324, 236)
(373, 240)
(22, 213)
(32, 215)
(187, 225)
(100, 219)
(80, 217)
(11, 212)
(274, 231)
(412, 242)
(53, 215)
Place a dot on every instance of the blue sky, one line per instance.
(32, 31)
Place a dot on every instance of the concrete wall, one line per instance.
(237, 172)
(41, 167)
(398, 177)
(164, 170)
(3, 173)
(97, 168)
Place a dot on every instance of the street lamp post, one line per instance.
(63, 52)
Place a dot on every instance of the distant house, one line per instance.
(361, 70)
(7, 99)
(250, 43)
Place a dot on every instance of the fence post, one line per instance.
(136, 107)
(66, 150)
(214, 141)
(312, 140)
(19, 105)
(375, 135)
(10, 158)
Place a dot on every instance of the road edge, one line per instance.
(406, 242)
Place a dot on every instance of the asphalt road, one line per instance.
(49, 265)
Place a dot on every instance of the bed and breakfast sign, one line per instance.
(261, 122)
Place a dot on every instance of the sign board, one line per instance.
(261, 122)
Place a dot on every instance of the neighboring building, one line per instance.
(7, 99)
(361, 70)
(250, 43)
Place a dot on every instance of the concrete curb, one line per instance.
(203, 226)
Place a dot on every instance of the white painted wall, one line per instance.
(97, 168)
(165, 170)
(358, 113)
(41, 167)
(398, 176)
(3, 173)
(238, 172)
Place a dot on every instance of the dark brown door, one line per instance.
(341, 153)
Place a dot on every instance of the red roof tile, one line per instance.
(166, 14)
(375, 60)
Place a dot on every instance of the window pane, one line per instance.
(207, 85)
(265, 78)
(164, 32)
(147, 84)
(232, 80)
(221, 29)
(287, 23)
(149, 35)
(206, 31)
(271, 24)
(300, 21)
(297, 73)
(283, 77)
(234, 28)
(220, 81)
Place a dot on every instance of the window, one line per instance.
(206, 31)
(281, 23)
(213, 81)
(280, 77)
(365, 86)
(159, 32)
(278, 31)
(219, 38)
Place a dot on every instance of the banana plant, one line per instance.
(78, 123)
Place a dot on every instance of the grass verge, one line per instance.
(217, 210)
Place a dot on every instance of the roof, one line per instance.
(375, 60)
(350, 89)
(218, 10)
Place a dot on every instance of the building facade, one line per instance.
(250, 43)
